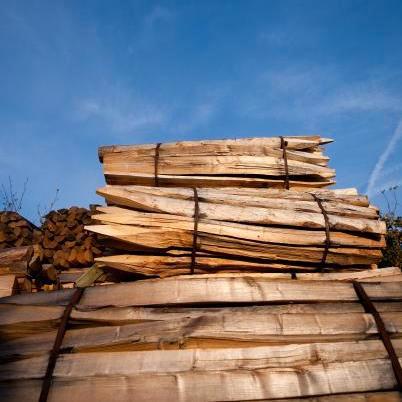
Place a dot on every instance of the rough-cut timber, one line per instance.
(247, 162)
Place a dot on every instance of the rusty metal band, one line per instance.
(382, 331)
(284, 144)
(195, 231)
(156, 164)
(54, 353)
(327, 232)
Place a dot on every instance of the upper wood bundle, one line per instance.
(237, 229)
(247, 162)
(16, 231)
(200, 338)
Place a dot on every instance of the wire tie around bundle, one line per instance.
(54, 353)
(195, 231)
(327, 232)
(284, 144)
(156, 164)
(369, 308)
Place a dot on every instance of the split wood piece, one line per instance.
(226, 385)
(284, 214)
(22, 320)
(121, 178)
(255, 144)
(345, 198)
(8, 286)
(210, 165)
(213, 290)
(163, 239)
(378, 396)
(156, 362)
(164, 266)
(222, 331)
(296, 235)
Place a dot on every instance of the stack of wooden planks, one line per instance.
(16, 231)
(172, 231)
(247, 162)
(225, 337)
(65, 241)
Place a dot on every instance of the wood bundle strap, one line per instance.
(156, 165)
(54, 353)
(285, 161)
(327, 232)
(195, 231)
(369, 307)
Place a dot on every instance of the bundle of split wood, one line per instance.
(65, 241)
(247, 162)
(230, 338)
(237, 229)
(16, 231)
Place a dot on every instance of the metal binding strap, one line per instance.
(284, 144)
(156, 164)
(195, 231)
(327, 232)
(382, 331)
(54, 353)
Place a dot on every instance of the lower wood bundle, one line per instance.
(237, 229)
(236, 338)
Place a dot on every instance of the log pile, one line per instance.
(173, 231)
(204, 337)
(65, 242)
(16, 231)
(247, 162)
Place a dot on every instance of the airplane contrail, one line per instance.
(396, 136)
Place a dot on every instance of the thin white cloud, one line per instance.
(315, 92)
(157, 14)
(201, 111)
(379, 166)
(121, 114)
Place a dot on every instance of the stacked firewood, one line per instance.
(24, 267)
(16, 231)
(202, 338)
(172, 231)
(247, 162)
(65, 241)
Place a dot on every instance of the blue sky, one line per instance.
(75, 75)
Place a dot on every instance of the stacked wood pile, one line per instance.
(162, 230)
(247, 162)
(196, 338)
(16, 231)
(26, 265)
(65, 241)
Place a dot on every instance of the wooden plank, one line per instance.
(188, 290)
(231, 385)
